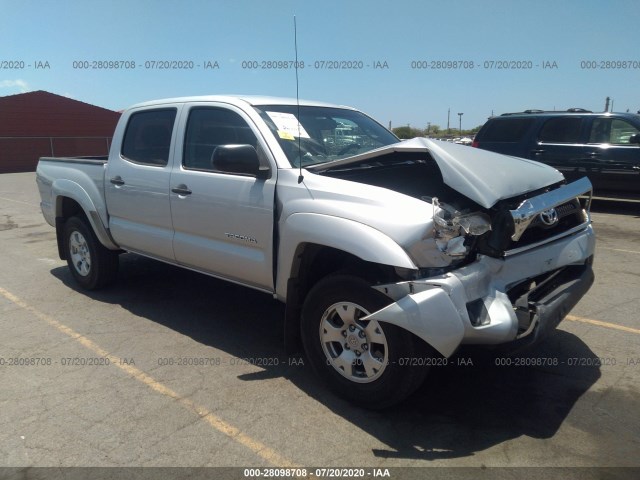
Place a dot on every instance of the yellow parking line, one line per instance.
(234, 433)
(600, 323)
(619, 250)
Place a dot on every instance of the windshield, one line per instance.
(323, 134)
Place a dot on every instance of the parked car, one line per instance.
(605, 147)
(389, 255)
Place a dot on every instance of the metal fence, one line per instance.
(20, 154)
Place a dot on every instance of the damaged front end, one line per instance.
(515, 271)
(504, 255)
(454, 231)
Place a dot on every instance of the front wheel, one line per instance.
(365, 361)
(92, 264)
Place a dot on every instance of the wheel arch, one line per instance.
(313, 262)
(71, 199)
(314, 245)
(300, 231)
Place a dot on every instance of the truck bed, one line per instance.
(93, 160)
(83, 176)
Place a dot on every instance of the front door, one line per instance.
(223, 222)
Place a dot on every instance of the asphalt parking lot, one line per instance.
(172, 368)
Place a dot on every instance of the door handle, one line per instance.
(117, 180)
(537, 153)
(594, 154)
(181, 189)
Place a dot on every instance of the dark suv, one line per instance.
(602, 146)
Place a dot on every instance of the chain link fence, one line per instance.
(21, 154)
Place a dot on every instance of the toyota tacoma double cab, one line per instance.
(385, 252)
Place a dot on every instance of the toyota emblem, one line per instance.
(549, 217)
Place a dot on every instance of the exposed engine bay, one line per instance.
(461, 226)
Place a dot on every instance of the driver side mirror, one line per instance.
(635, 138)
(240, 159)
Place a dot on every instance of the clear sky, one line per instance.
(493, 53)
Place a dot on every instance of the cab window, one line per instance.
(147, 139)
(208, 128)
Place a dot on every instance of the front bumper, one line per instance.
(565, 292)
(518, 299)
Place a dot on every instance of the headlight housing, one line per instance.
(452, 228)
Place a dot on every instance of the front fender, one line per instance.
(62, 188)
(343, 234)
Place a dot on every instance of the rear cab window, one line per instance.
(147, 139)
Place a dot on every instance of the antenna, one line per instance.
(295, 43)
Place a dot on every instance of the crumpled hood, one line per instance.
(484, 177)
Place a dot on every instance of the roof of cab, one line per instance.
(239, 100)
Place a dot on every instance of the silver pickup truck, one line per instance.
(388, 254)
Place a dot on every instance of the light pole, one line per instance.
(460, 124)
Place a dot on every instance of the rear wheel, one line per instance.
(92, 264)
(367, 362)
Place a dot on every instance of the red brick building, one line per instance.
(38, 124)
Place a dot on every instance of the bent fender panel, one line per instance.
(430, 315)
(352, 237)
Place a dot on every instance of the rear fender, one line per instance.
(63, 188)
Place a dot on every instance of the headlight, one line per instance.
(452, 228)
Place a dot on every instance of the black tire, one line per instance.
(92, 264)
(368, 387)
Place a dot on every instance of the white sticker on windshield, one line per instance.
(288, 124)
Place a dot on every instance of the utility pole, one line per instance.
(428, 128)
(448, 119)
(606, 104)
(460, 127)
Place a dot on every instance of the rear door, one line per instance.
(615, 161)
(223, 222)
(560, 145)
(137, 183)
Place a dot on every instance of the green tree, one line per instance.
(434, 129)
(475, 130)
(406, 132)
